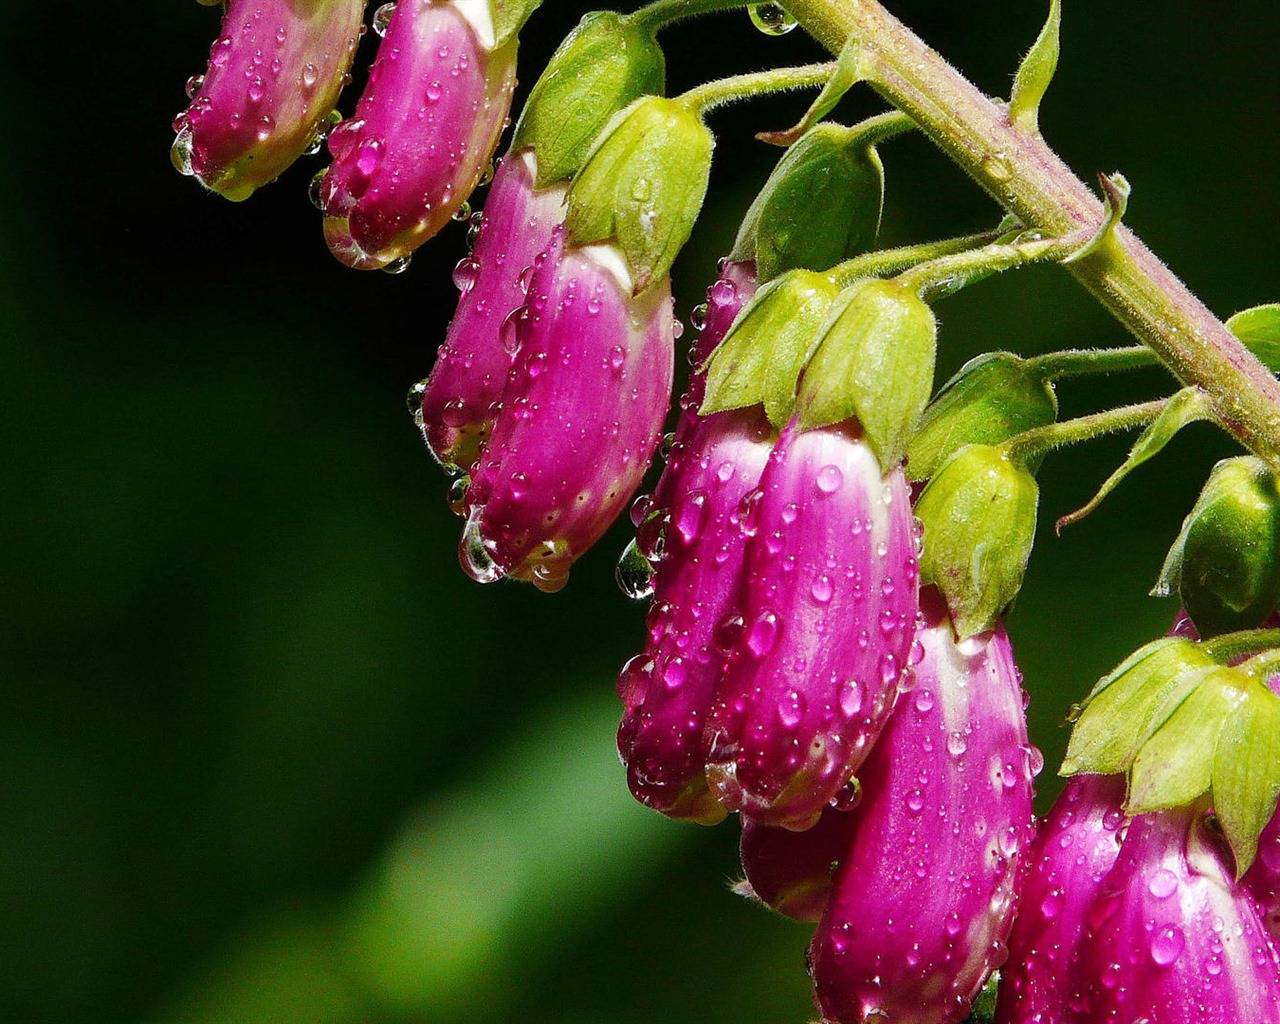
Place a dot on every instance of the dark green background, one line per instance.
(265, 754)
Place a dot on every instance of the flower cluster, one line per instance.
(829, 553)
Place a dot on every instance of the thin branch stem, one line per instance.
(661, 13)
(883, 262)
(1017, 167)
(703, 98)
(1081, 362)
(1037, 441)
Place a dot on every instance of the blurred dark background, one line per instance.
(265, 754)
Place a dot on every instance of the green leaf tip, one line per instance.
(642, 185)
(509, 17)
(848, 73)
(603, 65)
(1036, 73)
(874, 362)
(761, 357)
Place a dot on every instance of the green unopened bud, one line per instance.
(643, 184)
(762, 355)
(992, 398)
(1225, 563)
(1130, 703)
(979, 516)
(821, 205)
(874, 361)
(603, 65)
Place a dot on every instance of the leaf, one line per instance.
(509, 17)
(847, 74)
(1115, 195)
(1036, 73)
(1186, 406)
(1259, 329)
(1246, 773)
(1176, 764)
(1128, 706)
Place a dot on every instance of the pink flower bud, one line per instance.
(581, 416)
(691, 531)
(1173, 942)
(423, 132)
(274, 76)
(793, 872)
(827, 603)
(923, 899)
(1075, 848)
(456, 406)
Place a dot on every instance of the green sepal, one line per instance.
(821, 205)
(603, 65)
(1225, 563)
(760, 358)
(1036, 73)
(992, 398)
(873, 361)
(1187, 406)
(509, 17)
(1132, 702)
(1175, 765)
(1259, 329)
(848, 73)
(1246, 773)
(642, 184)
(979, 516)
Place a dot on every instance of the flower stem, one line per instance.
(1032, 443)
(703, 98)
(1229, 647)
(1015, 165)
(884, 262)
(661, 13)
(1081, 362)
(948, 274)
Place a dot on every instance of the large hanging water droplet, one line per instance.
(193, 85)
(771, 19)
(315, 189)
(180, 152)
(476, 560)
(382, 18)
(463, 212)
(397, 266)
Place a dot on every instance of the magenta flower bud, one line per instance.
(827, 606)
(793, 872)
(582, 414)
(422, 134)
(1077, 845)
(668, 691)
(691, 529)
(923, 900)
(1174, 943)
(455, 406)
(274, 76)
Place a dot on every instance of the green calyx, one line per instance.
(979, 517)
(604, 64)
(992, 398)
(1181, 724)
(642, 185)
(509, 17)
(874, 362)
(821, 204)
(761, 357)
(1225, 564)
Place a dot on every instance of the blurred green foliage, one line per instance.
(266, 755)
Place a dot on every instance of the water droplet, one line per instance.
(193, 85)
(771, 19)
(463, 212)
(791, 710)
(924, 701)
(1163, 884)
(851, 698)
(180, 152)
(382, 18)
(368, 157)
(476, 560)
(617, 357)
(465, 274)
(830, 479)
(821, 589)
(486, 175)
(723, 292)
(674, 673)
(634, 574)
(956, 743)
(698, 317)
(434, 91)
(1167, 945)
(398, 266)
(473, 230)
(915, 801)
(763, 634)
(457, 497)
(996, 167)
